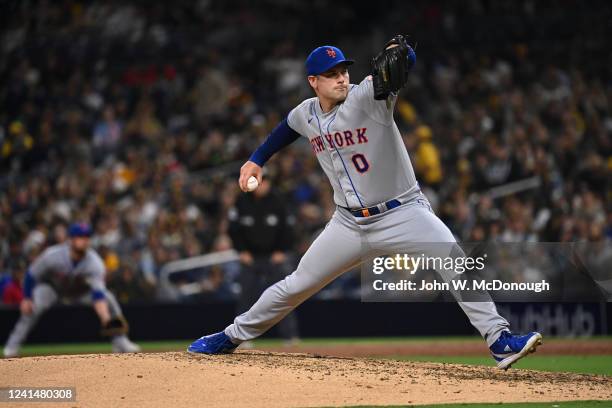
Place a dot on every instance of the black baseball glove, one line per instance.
(115, 327)
(390, 67)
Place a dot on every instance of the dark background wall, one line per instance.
(319, 319)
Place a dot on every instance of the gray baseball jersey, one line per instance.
(361, 151)
(358, 146)
(56, 268)
(57, 276)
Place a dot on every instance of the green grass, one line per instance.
(85, 348)
(590, 364)
(567, 404)
(169, 345)
(180, 345)
(413, 339)
(371, 340)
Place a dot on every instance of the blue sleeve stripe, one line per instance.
(281, 136)
(28, 284)
(411, 57)
(97, 294)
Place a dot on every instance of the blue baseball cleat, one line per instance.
(217, 343)
(509, 348)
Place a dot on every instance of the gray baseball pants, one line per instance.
(340, 248)
(43, 297)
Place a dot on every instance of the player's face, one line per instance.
(79, 244)
(332, 84)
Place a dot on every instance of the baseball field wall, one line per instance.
(319, 319)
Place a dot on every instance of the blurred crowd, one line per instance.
(137, 117)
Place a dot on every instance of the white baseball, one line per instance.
(252, 183)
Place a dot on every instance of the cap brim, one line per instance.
(346, 61)
(336, 63)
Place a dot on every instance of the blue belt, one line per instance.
(366, 212)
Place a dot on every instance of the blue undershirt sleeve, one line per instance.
(281, 136)
(97, 294)
(411, 57)
(28, 284)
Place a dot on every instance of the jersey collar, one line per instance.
(319, 111)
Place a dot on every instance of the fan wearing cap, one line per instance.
(67, 272)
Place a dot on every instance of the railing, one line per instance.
(169, 291)
(508, 189)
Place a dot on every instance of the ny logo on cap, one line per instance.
(331, 53)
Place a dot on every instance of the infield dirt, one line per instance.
(273, 379)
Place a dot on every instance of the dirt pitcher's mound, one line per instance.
(252, 379)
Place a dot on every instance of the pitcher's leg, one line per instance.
(335, 251)
(485, 318)
(476, 304)
(505, 347)
(288, 327)
(43, 297)
(422, 231)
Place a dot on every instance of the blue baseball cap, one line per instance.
(79, 229)
(323, 58)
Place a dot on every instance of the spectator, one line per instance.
(107, 133)
(140, 131)
(127, 286)
(12, 292)
(427, 162)
(260, 227)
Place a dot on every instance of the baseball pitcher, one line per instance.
(359, 147)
